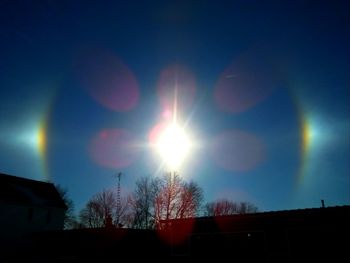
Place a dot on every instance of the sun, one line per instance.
(173, 145)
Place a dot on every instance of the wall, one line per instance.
(16, 220)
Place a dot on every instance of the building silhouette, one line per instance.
(28, 206)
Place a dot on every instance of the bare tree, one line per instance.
(106, 201)
(92, 215)
(69, 217)
(142, 202)
(190, 201)
(220, 207)
(228, 207)
(168, 198)
(128, 217)
(153, 200)
(247, 208)
(176, 198)
(101, 210)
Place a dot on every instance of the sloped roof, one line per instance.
(18, 190)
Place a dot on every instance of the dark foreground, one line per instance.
(308, 235)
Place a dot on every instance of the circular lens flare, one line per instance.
(236, 150)
(108, 80)
(245, 83)
(114, 148)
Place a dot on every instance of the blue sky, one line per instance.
(262, 85)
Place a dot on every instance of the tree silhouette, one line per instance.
(142, 202)
(91, 215)
(176, 198)
(163, 198)
(70, 220)
(228, 207)
(101, 209)
(153, 200)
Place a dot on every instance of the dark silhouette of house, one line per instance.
(28, 206)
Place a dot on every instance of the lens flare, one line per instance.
(155, 133)
(177, 232)
(245, 83)
(180, 78)
(173, 145)
(236, 150)
(114, 148)
(108, 80)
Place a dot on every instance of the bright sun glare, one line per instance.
(173, 145)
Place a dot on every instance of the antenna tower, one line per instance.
(118, 198)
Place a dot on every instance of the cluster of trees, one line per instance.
(154, 199)
(227, 207)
